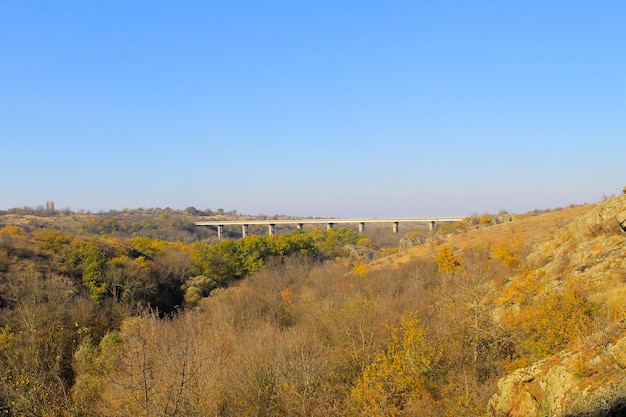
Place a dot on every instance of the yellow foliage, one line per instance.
(395, 380)
(6, 337)
(360, 269)
(365, 241)
(141, 263)
(51, 239)
(509, 252)
(11, 230)
(447, 263)
(147, 245)
(524, 288)
(548, 322)
(118, 260)
(485, 219)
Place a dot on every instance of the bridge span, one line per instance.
(271, 224)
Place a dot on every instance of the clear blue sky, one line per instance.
(328, 108)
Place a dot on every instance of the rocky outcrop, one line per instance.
(360, 252)
(567, 384)
(409, 242)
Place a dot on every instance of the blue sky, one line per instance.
(327, 108)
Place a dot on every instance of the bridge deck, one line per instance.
(332, 221)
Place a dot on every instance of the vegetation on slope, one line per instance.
(270, 329)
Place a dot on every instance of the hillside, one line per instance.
(500, 316)
(582, 244)
(590, 377)
(529, 228)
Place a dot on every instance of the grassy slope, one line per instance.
(529, 228)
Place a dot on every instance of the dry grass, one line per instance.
(614, 298)
(528, 228)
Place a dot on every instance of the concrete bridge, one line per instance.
(271, 224)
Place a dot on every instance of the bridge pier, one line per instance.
(300, 226)
(220, 231)
(329, 226)
(244, 230)
(431, 225)
(361, 227)
(395, 227)
(271, 230)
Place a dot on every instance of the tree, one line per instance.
(447, 263)
(252, 251)
(86, 254)
(36, 346)
(509, 252)
(128, 280)
(394, 383)
(218, 261)
(151, 367)
(198, 287)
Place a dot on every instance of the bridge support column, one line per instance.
(361, 227)
(300, 226)
(244, 230)
(220, 231)
(431, 225)
(271, 230)
(395, 227)
(329, 226)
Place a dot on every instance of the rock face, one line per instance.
(566, 385)
(592, 246)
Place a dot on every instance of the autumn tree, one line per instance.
(394, 383)
(86, 255)
(446, 261)
(550, 321)
(36, 345)
(51, 239)
(472, 344)
(330, 242)
(217, 261)
(151, 367)
(127, 279)
(509, 252)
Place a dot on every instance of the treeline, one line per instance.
(49, 210)
(166, 224)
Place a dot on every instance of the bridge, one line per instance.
(271, 224)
